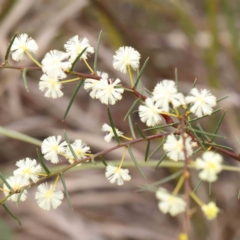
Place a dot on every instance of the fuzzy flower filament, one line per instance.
(28, 169)
(202, 102)
(117, 174)
(16, 182)
(22, 45)
(48, 197)
(210, 165)
(110, 134)
(126, 57)
(51, 84)
(93, 85)
(55, 63)
(109, 93)
(75, 46)
(81, 150)
(51, 147)
(210, 210)
(165, 93)
(150, 113)
(175, 148)
(170, 203)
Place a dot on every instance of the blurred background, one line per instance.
(199, 38)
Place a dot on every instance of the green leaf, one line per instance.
(75, 61)
(147, 188)
(198, 118)
(140, 86)
(5, 181)
(210, 189)
(168, 179)
(42, 162)
(70, 146)
(218, 125)
(197, 150)
(96, 53)
(72, 98)
(65, 190)
(93, 161)
(157, 148)
(162, 181)
(218, 145)
(131, 127)
(199, 140)
(206, 133)
(131, 108)
(112, 125)
(202, 137)
(10, 213)
(161, 159)
(222, 98)
(147, 151)
(194, 83)
(140, 73)
(176, 77)
(135, 161)
(103, 160)
(140, 132)
(9, 46)
(195, 189)
(202, 132)
(19, 196)
(159, 127)
(24, 75)
(19, 136)
(148, 91)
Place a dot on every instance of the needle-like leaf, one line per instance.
(66, 191)
(9, 47)
(96, 53)
(72, 98)
(135, 161)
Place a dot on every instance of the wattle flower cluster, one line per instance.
(55, 64)
(106, 90)
(166, 99)
(170, 203)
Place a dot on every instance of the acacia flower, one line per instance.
(210, 210)
(210, 164)
(48, 197)
(55, 63)
(94, 85)
(165, 93)
(16, 182)
(150, 113)
(108, 129)
(75, 46)
(170, 203)
(51, 147)
(80, 148)
(202, 102)
(21, 45)
(51, 84)
(175, 149)
(117, 174)
(109, 92)
(126, 57)
(28, 169)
